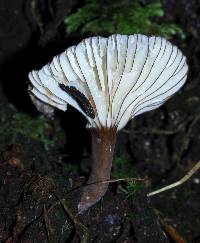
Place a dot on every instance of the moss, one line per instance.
(71, 168)
(15, 124)
(125, 17)
(122, 168)
(130, 189)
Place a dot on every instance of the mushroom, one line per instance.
(110, 81)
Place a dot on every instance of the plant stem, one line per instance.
(103, 143)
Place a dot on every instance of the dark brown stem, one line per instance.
(103, 143)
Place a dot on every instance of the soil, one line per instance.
(40, 186)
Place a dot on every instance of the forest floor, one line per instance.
(43, 168)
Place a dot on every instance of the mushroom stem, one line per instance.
(103, 143)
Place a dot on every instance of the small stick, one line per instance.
(178, 183)
(129, 179)
(122, 179)
(48, 226)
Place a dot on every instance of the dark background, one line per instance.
(163, 144)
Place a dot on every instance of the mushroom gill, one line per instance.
(110, 81)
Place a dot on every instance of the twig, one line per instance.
(37, 16)
(81, 229)
(48, 226)
(173, 233)
(108, 181)
(157, 131)
(169, 229)
(181, 181)
(122, 179)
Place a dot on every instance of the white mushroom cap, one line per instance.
(111, 80)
